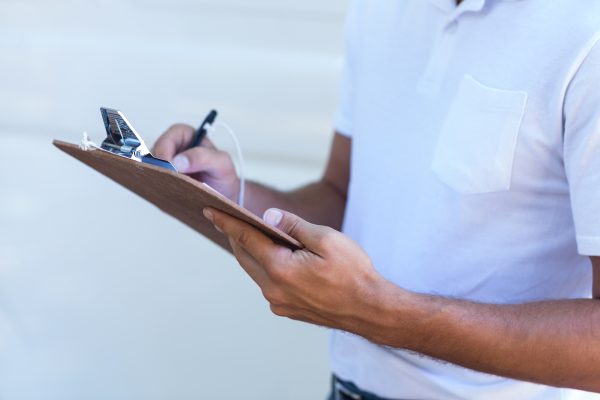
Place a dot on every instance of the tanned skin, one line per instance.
(333, 283)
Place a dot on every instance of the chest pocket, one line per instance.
(477, 143)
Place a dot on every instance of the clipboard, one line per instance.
(176, 194)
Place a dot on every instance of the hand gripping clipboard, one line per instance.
(176, 194)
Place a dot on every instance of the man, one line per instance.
(465, 173)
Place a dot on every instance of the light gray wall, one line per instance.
(101, 295)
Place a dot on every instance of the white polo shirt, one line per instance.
(475, 167)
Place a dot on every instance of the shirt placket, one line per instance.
(444, 48)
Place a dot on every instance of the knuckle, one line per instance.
(290, 225)
(274, 296)
(328, 238)
(179, 134)
(197, 155)
(179, 126)
(277, 264)
(242, 237)
(279, 311)
(162, 143)
(279, 274)
(171, 139)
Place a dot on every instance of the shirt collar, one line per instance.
(450, 7)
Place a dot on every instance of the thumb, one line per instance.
(202, 159)
(308, 234)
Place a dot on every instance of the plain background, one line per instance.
(101, 295)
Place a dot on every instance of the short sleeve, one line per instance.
(582, 149)
(343, 120)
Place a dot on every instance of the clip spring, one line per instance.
(122, 139)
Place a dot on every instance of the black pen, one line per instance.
(201, 132)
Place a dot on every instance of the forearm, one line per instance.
(318, 202)
(555, 343)
(322, 202)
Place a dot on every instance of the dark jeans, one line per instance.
(344, 390)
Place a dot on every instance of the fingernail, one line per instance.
(181, 163)
(208, 214)
(273, 216)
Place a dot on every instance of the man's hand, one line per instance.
(323, 200)
(331, 282)
(206, 163)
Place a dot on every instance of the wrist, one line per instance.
(400, 317)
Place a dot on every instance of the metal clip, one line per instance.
(123, 140)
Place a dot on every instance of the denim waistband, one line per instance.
(345, 390)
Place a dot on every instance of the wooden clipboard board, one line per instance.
(176, 194)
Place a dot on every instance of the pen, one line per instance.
(201, 132)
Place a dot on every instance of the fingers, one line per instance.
(206, 142)
(173, 141)
(314, 237)
(173, 146)
(249, 264)
(254, 242)
(203, 159)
